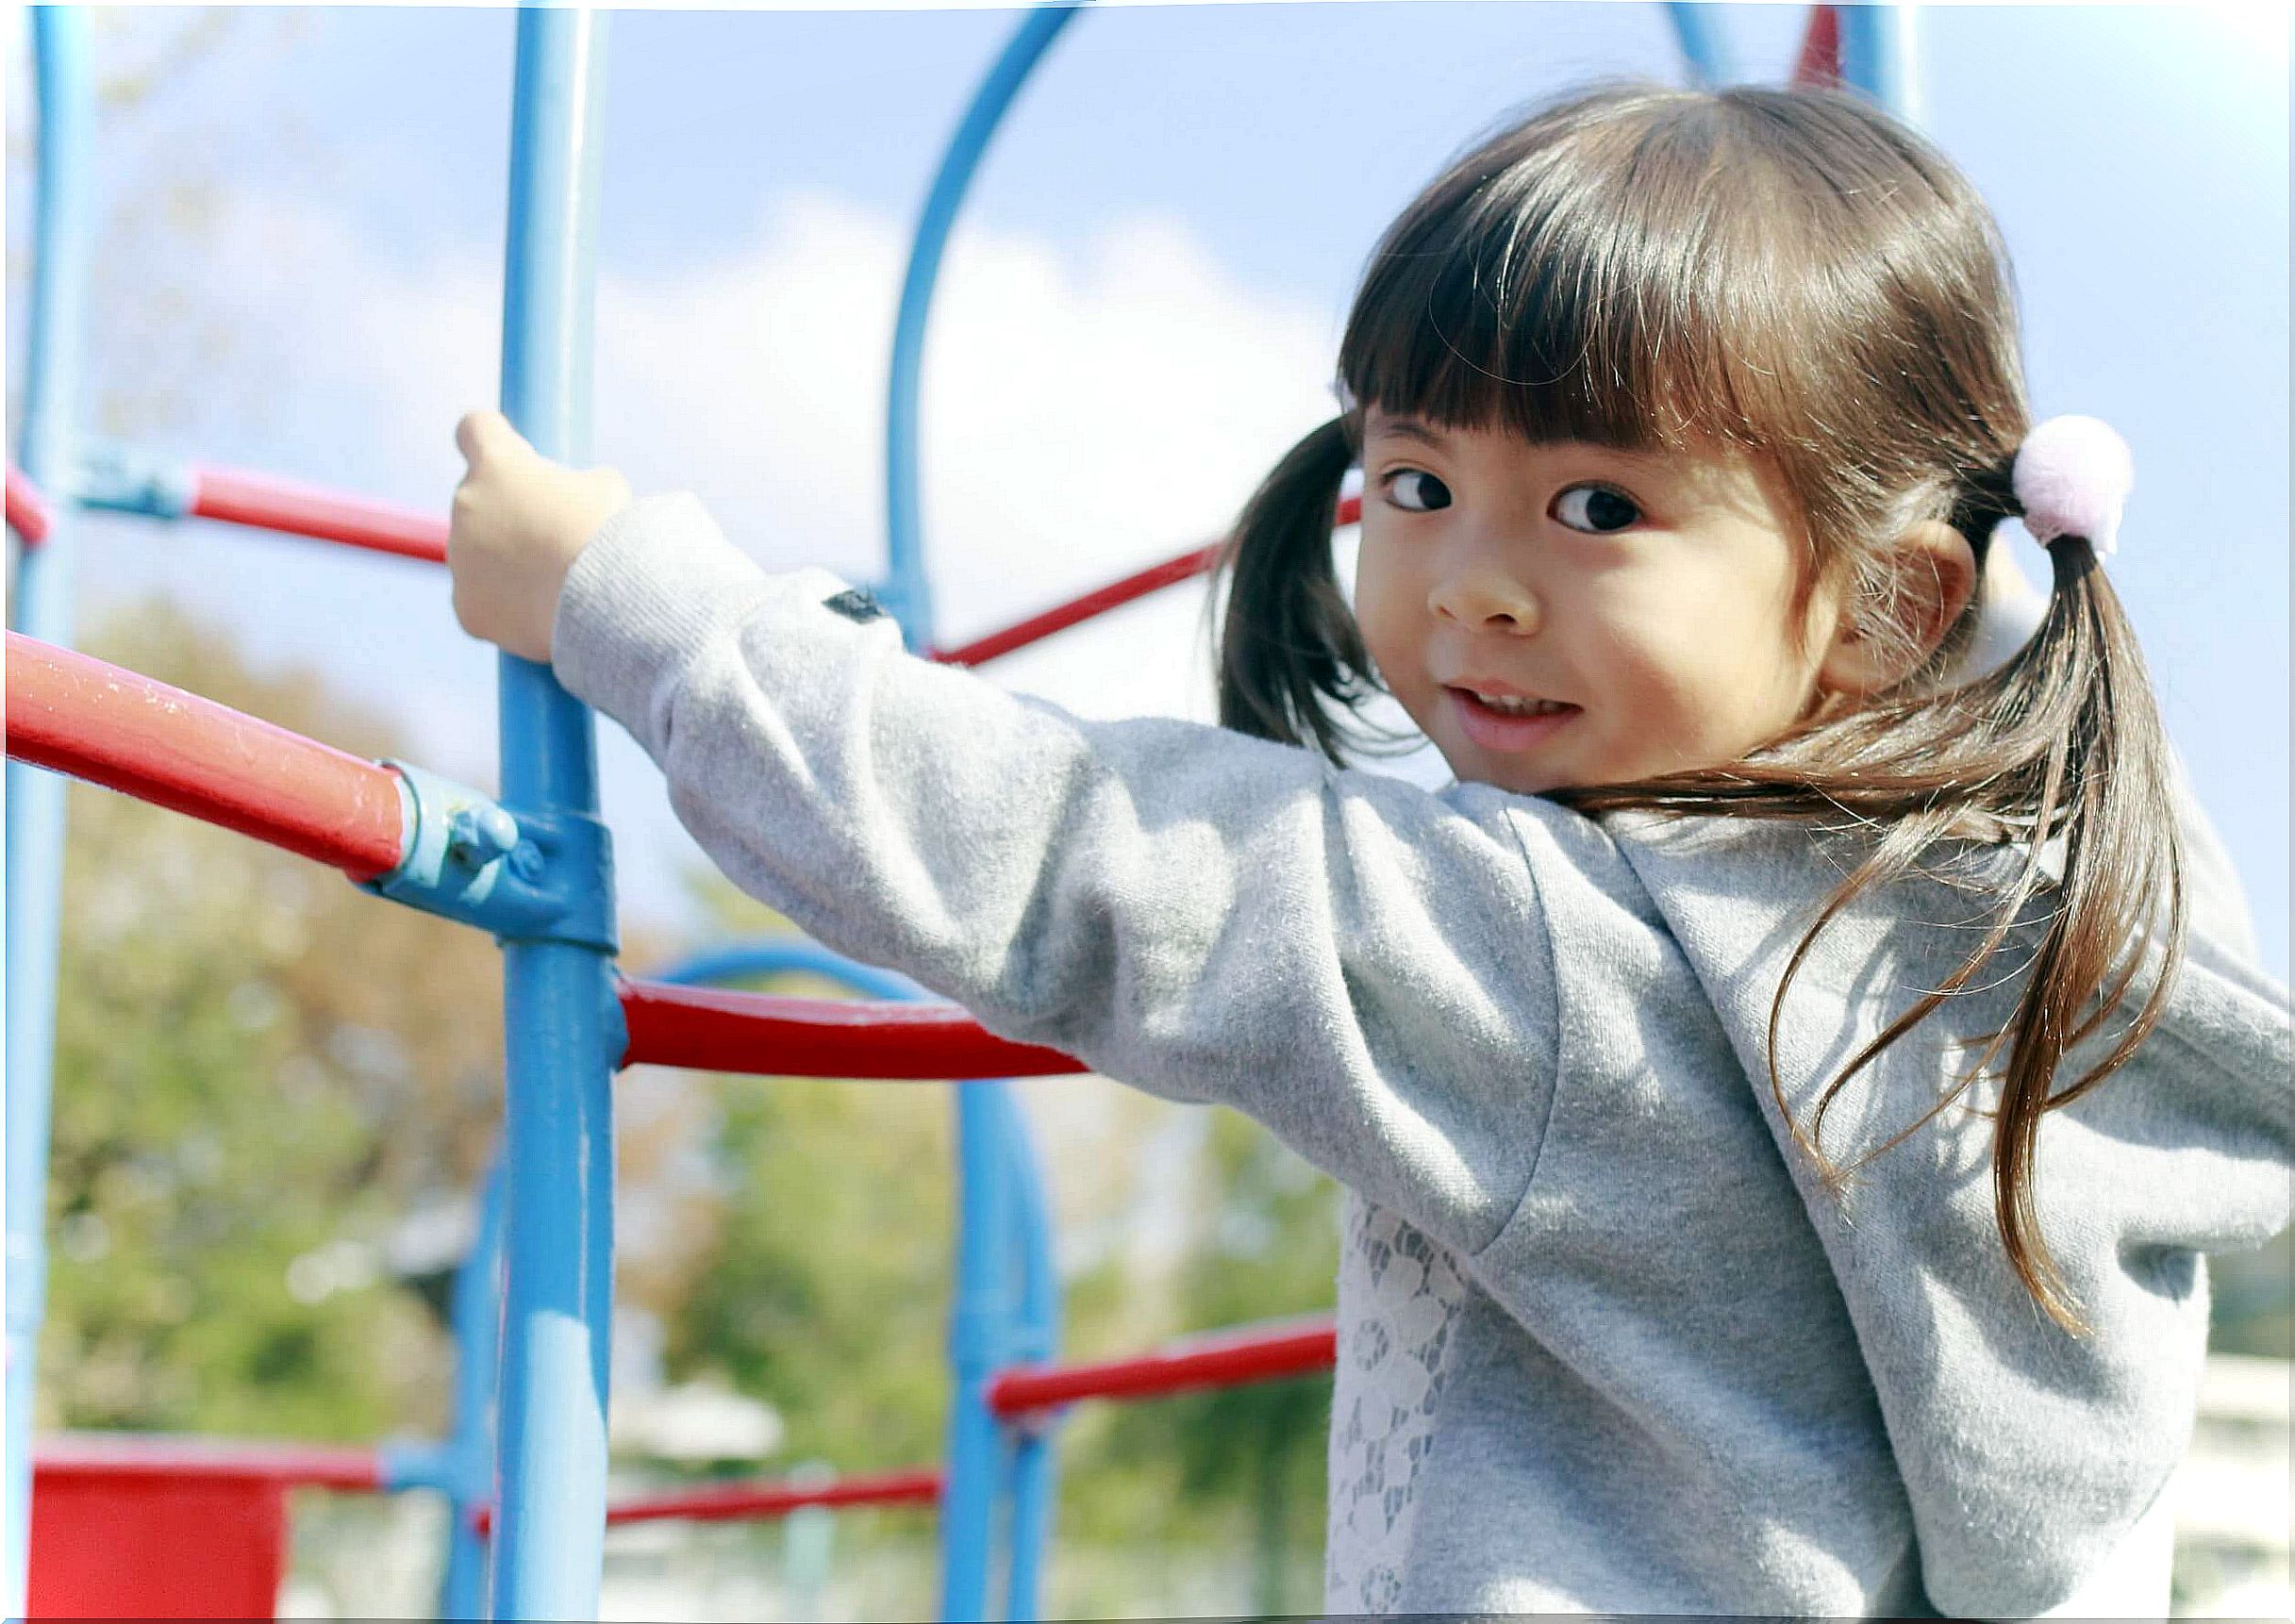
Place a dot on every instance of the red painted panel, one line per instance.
(107, 1544)
(118, 728)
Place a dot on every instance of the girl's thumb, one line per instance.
(484, 434)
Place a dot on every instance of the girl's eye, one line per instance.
(1415, 491)
(1595, 509)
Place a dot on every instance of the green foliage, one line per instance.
(1248, 1460)
(258, 1069)
(825, 1291)
(2252, 1300)
(820, 1287)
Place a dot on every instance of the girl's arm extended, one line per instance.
(1358, 963)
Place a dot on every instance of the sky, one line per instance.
(300, 271)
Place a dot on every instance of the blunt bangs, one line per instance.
(1609, 272)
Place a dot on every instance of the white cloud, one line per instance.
(1085, 413)
(1080, 418)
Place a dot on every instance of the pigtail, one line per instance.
(2062, 751)
(2105, 789)
(1291, 659)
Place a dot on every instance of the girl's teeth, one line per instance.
(1519, 706)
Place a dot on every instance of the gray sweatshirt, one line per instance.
(1607, 1342)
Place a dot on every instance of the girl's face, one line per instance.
(1562, 615)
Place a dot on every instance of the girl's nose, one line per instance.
(1487, 600)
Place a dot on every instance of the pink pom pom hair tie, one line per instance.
(2072, 476)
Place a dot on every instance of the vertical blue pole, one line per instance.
(1038, 1338)
(56, 335)
(979, 1343)
(1880, 56)
(470, 1447)
(1697, 25)
(906, 591)
(560, 1014)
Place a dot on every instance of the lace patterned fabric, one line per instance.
(1399, 1294)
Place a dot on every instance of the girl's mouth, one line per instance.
(1508, 723)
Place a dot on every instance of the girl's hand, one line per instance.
(519, 522)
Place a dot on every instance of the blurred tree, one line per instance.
(1248, 1460)
(819, 1282)
(2252, 1301)
(260, 1071)
(153, 364)
(259, 1068)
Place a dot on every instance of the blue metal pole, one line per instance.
(1037, 1338)
(980, 1335)
(562, 1019)
(906, 591)
(1697, 25)
(1880, 56)
(55, 345)
(470, 1447)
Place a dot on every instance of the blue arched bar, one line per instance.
(907, 592)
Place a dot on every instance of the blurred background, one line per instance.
(275, 1096)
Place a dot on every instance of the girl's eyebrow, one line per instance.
(1406, 428)
(1645, 466)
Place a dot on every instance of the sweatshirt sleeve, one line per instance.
(1358, 963)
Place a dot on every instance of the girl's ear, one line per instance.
(1932, 575)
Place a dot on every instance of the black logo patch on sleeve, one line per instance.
(856, 603)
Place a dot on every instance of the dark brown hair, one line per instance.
(1792, 275)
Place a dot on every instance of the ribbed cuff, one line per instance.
(654, 586)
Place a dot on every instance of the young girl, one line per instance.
(1783, 1109)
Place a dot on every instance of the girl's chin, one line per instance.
(1473, 766)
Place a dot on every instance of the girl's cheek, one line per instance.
(1380, 594)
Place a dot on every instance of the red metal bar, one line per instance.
(28, 507)
(737, 1502)
(1155, 578)
(265, 503)
(751, 1502)
(1819, 62)
(1227, 1360)
(71, 713)
(120, 1455)
(1038, 627)
(715, 1029)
